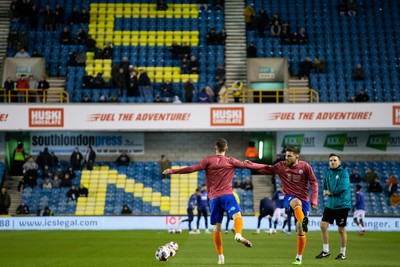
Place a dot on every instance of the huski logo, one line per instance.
(46, 117)
(227, 116)
(293, 140)
(378, 141)
(396, 115)
(335, 141)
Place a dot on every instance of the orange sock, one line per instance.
(218, 242)
(301, 243)
(298, 213)
(238, 225)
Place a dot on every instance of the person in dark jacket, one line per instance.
(90, 157)
(22, 209)
(83, 191)
(76, 159)
(44, 158)
(126, 210)
(123, 159)
(144, 84)
(72, 194)
(5, 201)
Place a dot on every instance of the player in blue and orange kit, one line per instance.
(202, 208)
(192, 204)
(359, 212)
(219, 175)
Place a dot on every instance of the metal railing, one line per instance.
(59, 95)
(277, 96)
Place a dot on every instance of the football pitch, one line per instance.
(137, 248)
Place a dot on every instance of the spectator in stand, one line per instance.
(74, 18)
(158, 99)
(355, 177)
(90, 43)
(30, 170)
(47, 173)
(83, 191)
(12, 40)
(108, 51)
(84, 17)
(392, 185)
(144, 85)
(221, 37)
(375, 186)
(9, 86)
(47, 184)
(35, 53)
(65, 37)
(120, 82)
(162, 5)
(359, 73)
(43, 86)
(251, 152)
(76, 159)
(72, 194)
(34, 18)
(48, 18)
(262, 22)
(394, 199)
(303, 36)
(98, 81)
(342, 7)
(211, 37)
(22, 87)
(238, 183)
(352, 8)
(32, 88)
(56, 182)
(320, 66)
(54, 159)
(194, 65)
(185, 50)
(47, 212)
(22, 53)
(123, 159)
(276, 30)
(237, 90)
(219, 4)
(176, 100)
(87, 81)
(59, 14)
(306, 68)
(249, 16)
(66, 181)
(203, 97)
(220, 73)
(285, 36)
(248, 184)
(276, 18)
(189, 91)
(13, 12)
(133, 89)
(217, 90)
(22, 209)
(370, 175)
(164, 164)
(23, 39)
(251, 51)
(294, 38)
(211, 93)
(175, 50)
(184, 66)
(98, 52)
(223, 95)
(202, 4)
(44, 159)
(5, 201)
(362, 97)
(90, 158)
(126, 210)
(167, 90)
(70, 172)
(81, 36)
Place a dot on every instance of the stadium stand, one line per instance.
(368, 38)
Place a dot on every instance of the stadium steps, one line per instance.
(235, 48)
(53, 96)
(4, 29)
(263, 187)
(11, 183)
(298, 91)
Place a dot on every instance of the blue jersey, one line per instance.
(278, 198)
(360, 203)
(202, 200)
(266, 204)
(192, 201)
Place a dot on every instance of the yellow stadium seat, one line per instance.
(186, 13)
(164, 208)
(152, 13)
(160, 14)
(110, 171)
(144, 12)
(176, 78)
(169, 14)
(194, 14)
(194, 77)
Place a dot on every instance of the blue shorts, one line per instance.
(305, 205)
(223, 204)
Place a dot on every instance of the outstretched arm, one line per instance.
(197, 167)
(260, 168)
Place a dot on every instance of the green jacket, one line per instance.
(337, 181)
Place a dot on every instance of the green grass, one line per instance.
(137, 248)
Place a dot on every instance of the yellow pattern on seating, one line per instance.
(182, 186)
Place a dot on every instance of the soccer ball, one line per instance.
(173, 245)
(163, 253)
(178, 231)
(171, 231)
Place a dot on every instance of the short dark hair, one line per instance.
(221, 144)
(293, 149)
(334, 155)
(358, 187)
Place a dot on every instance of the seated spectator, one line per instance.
(359, 73)
(320, 66)
(210, 92)
(394, 199)
(167, 89)
(251, 51)
(221, 37)
(22, 209)
(47, 212)
(220, 73)
(162, 5)
(108, 51)
(203, 97)
(13, 12)
(342, 7)
(175, 50)
(54, 159)
(83, 191)
(56, 182)
(102, 99)
(370, 175)
(123, 159)
(35, 53)
(60, 173)
(276, 30)
(189, 91)
(248, 184)
(352, 8)
(98, 52)
(305, 68)
(70, 171)
(72, 194)
(294, 38)
(361, 97)
(86, 99)
(65, 37)
(176, 100)
(262, 20)
(66, 181)
(48, 18)
(375, 186)
(184, 66)
(84, 17)
(81, 36)
(237, 183)
(47, 184)
(185, 50)
(12, 40)
(22, 53)
(158, 99)
(114, 99)
(303, 36)
(355, 177)
(194, 65)
(285, 36)
(87, 81)
(211, 37)
(98, 82)
(126, 210)
(90, 43)
(74, 18)
(276, 18)
(392, 185)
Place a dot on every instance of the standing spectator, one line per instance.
(210, 93)
(306, 67)
(251, 51)
(32, 88)
(120, 82)
(72, 194)
(164, 164)
(81, 37)
(133, 84)
(262, 22)
(249, 15)
(184, 66)
(394, 199)
(22, 209)
(22, 87)
(144, 85)
(5, 201)
(175, 50)
(76, 159)
(83, 191)
(211, 37)
(98, 81)
(352, 8)
(108, 51)
(123, 159)
(90, 43)
(84, 17)
(44, 158)
(22, 53)
(34, 18)
(194, 65)
(248, 184)
(359, 73)
(203, 202)
(221, 37)
(167, 90)
(90, 158)
(337, 189)
(74, 18)
(237, 90)
(392, 185)
(370, 175)
(59, 14)
(276, 30)
(355, 177)
(13, 12)
(320, 66)
(189, 91)
(65, 37)
(43, 86)
(9, 86)
(185, 50)
(342, 7)
(361, 97)
(18, 159)
(359, 212)
(217, 89)
(54, 159)
(48, 18)
(12, 40)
